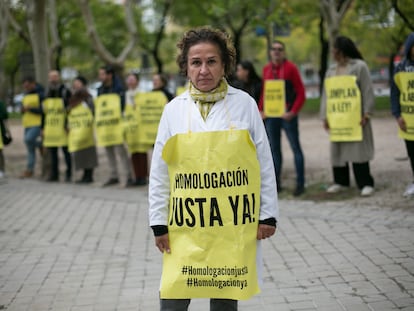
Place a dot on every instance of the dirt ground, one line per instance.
(390, 167)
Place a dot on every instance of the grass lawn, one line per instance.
(382, 105)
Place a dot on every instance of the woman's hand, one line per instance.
(163, 243)
(402, 124)
(265, 231)
(326, 125)
(365, 120)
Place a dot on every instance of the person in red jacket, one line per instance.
(279, 68)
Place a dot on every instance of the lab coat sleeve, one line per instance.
(159, 190)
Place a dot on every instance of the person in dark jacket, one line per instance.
(111, 84)
(57, 90)
(402, 105)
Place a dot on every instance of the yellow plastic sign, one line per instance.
(108, 125)
(213, 216)
(131, 116)
(54, 132)
(150, 107)
(405, 83)
(30, 119)
(343, 108)
(80, 123)
(274, 98)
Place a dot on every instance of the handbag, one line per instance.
(5, 135)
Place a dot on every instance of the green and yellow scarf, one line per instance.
(206, 100)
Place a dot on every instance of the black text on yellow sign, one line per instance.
(208, 211)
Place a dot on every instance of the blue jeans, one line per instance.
(30, 139)
(274, 128)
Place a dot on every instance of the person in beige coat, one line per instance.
(349, 61)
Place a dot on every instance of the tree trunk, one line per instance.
(324, 55)
(36, 21)
(4, 26)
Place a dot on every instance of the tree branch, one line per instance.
(402, 15)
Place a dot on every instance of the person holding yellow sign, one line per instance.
(283, 96)
(402, 103)
(32, 121)
(54, 125)
(109, 106)
(347, 103)
(212, 190)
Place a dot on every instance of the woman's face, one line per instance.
(337, 54)
(241, 73)
(205, 68)
(77, 85)
(157, 82)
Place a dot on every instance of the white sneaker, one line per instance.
(409, 191)
(2, 174)
(335, 188)
(367, 191)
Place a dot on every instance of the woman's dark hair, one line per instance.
(347, 47)
(210, 35)
(252, 75)
(78, 96)
(82, 79)
(109, 69)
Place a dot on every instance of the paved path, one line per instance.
(65, 247)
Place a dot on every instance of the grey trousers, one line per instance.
(111, 152)
(182, 304)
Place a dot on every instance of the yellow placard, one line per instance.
(343, 108)
(213, 216)
(30, 119)
(108, 124)
(150, 107)
(274, 98)
(54, 131)
(80, 123)
(131, 116)
(405, 83)
(181, 89)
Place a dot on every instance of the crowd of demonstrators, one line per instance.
(290, 93)
(401, 106)
(46, 114)
(72, 120)
(349, 74)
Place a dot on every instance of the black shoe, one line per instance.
(298, 191)
(129, 183)
(68, 179)
(52, 179)
(111, 181)
(140, 181)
